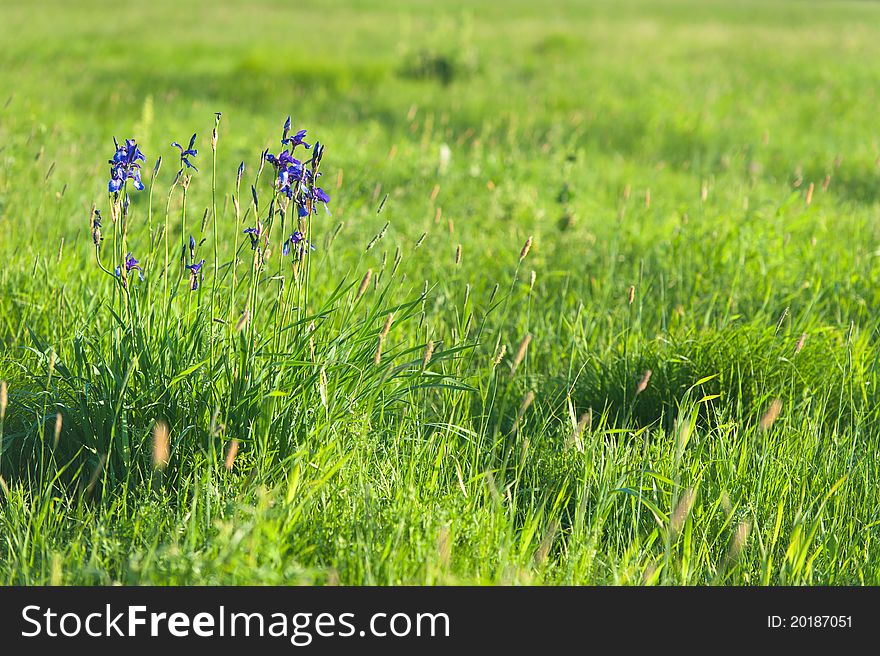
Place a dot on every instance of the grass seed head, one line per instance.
(58, 423)
(631, 294)
(322, 386)
(499, 356)
(4, 399)
(242, 321)
(525, 249)
(546, 544)
(521, 352)
(739, 540)
(527, 401)
(377, 357)
(387, 327)
(800, 343)
(771, 414)
(161, 446)
(681, 512)
(643, 383)
(365, 282)
(583, 424)
(231, 454)
(429, 353)
(96, 474)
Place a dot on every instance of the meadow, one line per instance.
(595, 301)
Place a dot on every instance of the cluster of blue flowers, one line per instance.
(295, 182)
(295, 179)
(124, 165)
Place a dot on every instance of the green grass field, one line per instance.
(676, 384)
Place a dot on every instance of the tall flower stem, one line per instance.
(165, 271)
(214, 138)
(182, 231)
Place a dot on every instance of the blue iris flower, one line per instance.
(129, 264)
(255, 234)
(195, 274)
(298, 242)
(296, 139)
(185, 154)
(124, 165)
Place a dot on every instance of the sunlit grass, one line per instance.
(675, 383)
